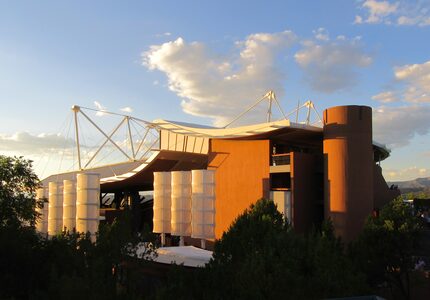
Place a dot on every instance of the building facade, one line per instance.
(312, 173)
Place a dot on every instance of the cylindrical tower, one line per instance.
(69, 204)
(203, 204)
(181, 203)
(88, 202)
(55, 212)
(348, 163)
(162, 203)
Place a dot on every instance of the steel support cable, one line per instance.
(137, 132)
(113, 113)
(295, 111)
(143, 140)
(105, 142)
(62, 128)
(61, 159)
(65, 143)
(150, 126)
(316, 111)
(280, 108)
(117, 114)
(106, 155)
(131, 138)
(246, 111)
(84, 127)
(80, 126)
(149, 149)
(46, 165)
(98, 128)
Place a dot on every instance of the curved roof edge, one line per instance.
(230, 132)
(383, 149)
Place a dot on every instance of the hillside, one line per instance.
(415, 186)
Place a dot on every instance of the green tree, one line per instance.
(18, 185)
(261, 257)
(67, 266)
(384, 250)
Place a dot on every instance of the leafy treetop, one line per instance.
(18, 184)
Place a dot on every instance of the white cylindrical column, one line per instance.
(42, 222)
(181, 203)
(88, 202)
(203, 204)
(55, 213)
(162, 203)
(69, 205)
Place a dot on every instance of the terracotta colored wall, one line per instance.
(348, 163)
(304, 190)
(242, 177)
(381, 192)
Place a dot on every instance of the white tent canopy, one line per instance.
(189, 256)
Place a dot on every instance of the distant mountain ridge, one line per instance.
(414, 186)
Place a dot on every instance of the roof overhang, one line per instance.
(138, 175)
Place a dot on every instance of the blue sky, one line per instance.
(204, 62)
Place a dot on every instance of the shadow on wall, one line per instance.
(265, 193)
(216, 159)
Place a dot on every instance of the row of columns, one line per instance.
(71, 205)
(184, 204)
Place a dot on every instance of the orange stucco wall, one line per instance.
(242, 177)
(348, 163)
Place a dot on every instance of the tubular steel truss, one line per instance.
(137, 153)
(139, 149)
(271, 97)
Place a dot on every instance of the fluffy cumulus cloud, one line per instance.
(127, 109)
(406, 174)
(386, 97)
(331, 65)
(405, 12)
(396, 126)
(377, 11)
(216, 86)
(417, 80)
(25, 142)
(413, 85)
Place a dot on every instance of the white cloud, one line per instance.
(332, 66)
(406, 174)
(415, 80)
(99, 107)
(396, 126)
(25, 142)
(165, 34)
(321, 34)
(358, 20)
(127, 109)
(386, 97)
(378, 10)
(402, 13)
(216, 86)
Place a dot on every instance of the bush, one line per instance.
(261, 257)
(384, 250)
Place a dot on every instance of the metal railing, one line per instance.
(281, 159)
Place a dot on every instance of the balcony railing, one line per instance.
(281, 159)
